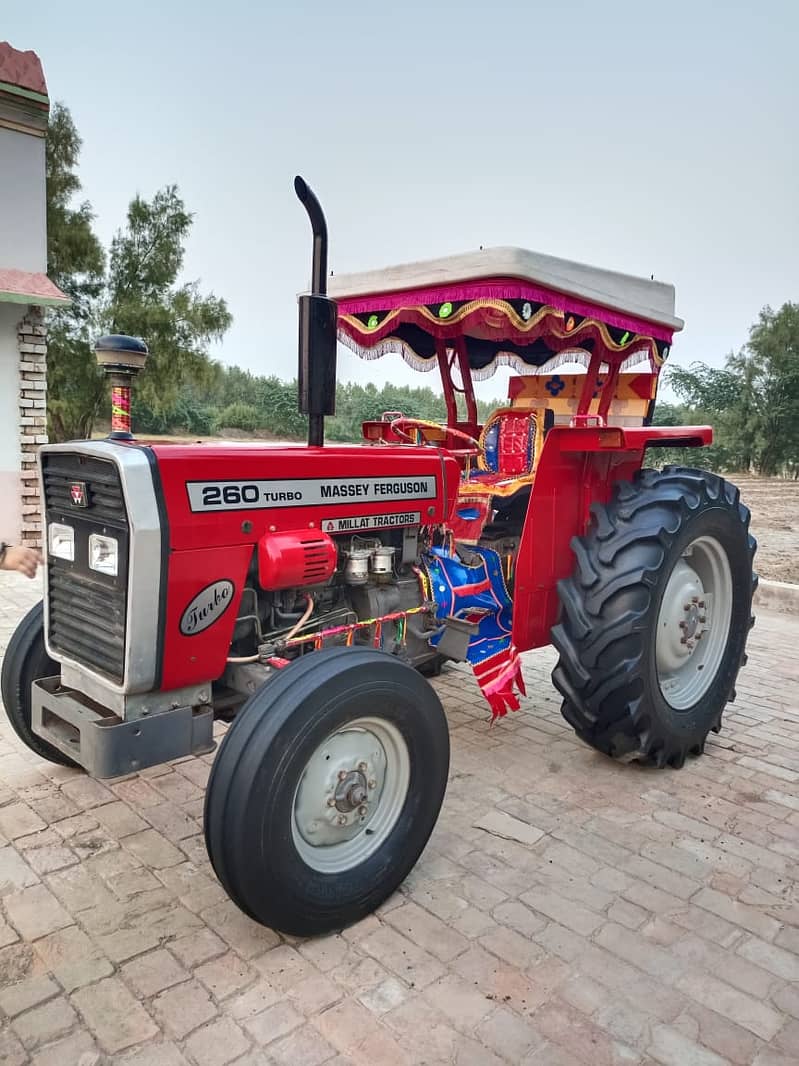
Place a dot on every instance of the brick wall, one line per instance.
(32, 344)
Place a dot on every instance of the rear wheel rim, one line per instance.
(350, 795)
(693, 623)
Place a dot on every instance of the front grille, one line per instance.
(87, 620)
(87, 610)
(105, 502)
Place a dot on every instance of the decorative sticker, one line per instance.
(308, 492)
(207, 607)
(371, 521)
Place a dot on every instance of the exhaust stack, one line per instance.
(317, 349)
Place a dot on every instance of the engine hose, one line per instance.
(303, 619)
(306, 615)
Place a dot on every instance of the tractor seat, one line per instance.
(510, 445)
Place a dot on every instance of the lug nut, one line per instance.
(331, 801)
(362, 810)
(700, 603)
(362, 767)
(341, 820)
(372, 783)
(342, 775)
(686, 607)
(702, 619)
(683, 640)
(683, 625)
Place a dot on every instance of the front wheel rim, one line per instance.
(693, 624)
(350, 795)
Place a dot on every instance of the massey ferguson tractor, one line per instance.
(303, 592)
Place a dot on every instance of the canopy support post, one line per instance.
(446, 361)
(468, 386)
(446, 381)
(590, 385)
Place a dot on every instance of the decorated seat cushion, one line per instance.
(509, 442)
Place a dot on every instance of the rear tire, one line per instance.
(655, 619)
(25, 661)
(326, 789)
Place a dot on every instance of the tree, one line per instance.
(75, 262)
(140, 295)
(144, 299)
(772, 367)
(753, 401)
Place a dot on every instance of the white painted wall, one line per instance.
(23, 221)
(23, 246)
(10, 499)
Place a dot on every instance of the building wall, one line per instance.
(23, 222)
(23, 247)
(10, 448)
(31, 418)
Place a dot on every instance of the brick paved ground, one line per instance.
(642, 916)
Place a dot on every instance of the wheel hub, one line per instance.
(682, 621)
(693, 622)
(690, 625)
(351, 791)
(341, 788)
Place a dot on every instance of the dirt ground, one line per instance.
(775, 523)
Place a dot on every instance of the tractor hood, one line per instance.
(220, 494)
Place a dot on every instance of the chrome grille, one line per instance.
(86, 610)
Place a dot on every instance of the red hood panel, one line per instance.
(225, 494)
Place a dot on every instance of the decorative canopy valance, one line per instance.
(506, 306)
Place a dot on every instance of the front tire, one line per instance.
(326, 789)
(25, 661)
(655, 619)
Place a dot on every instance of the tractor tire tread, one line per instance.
(617, 562)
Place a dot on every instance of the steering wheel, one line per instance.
(401, 426)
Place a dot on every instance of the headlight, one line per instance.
(61, 542)
(103, 554)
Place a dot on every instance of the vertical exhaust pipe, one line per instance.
(316, 375)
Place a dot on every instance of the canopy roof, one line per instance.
(505, 306)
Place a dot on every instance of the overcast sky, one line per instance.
(651, 138)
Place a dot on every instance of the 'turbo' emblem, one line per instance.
(78, 495)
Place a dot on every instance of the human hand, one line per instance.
(25, 560)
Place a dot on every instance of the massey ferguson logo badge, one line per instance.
(78, 495)
(206, 607)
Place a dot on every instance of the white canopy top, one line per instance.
(641, 297)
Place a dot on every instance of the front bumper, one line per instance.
(105, 745)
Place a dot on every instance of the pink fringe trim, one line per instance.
(504, 289)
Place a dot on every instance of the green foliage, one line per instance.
(140, 295)
(144, 299)
(238, 416)
(236, 399)
(356, 404)
(753, 400)
(75, 262)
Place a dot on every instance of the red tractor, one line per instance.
(303, 592)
